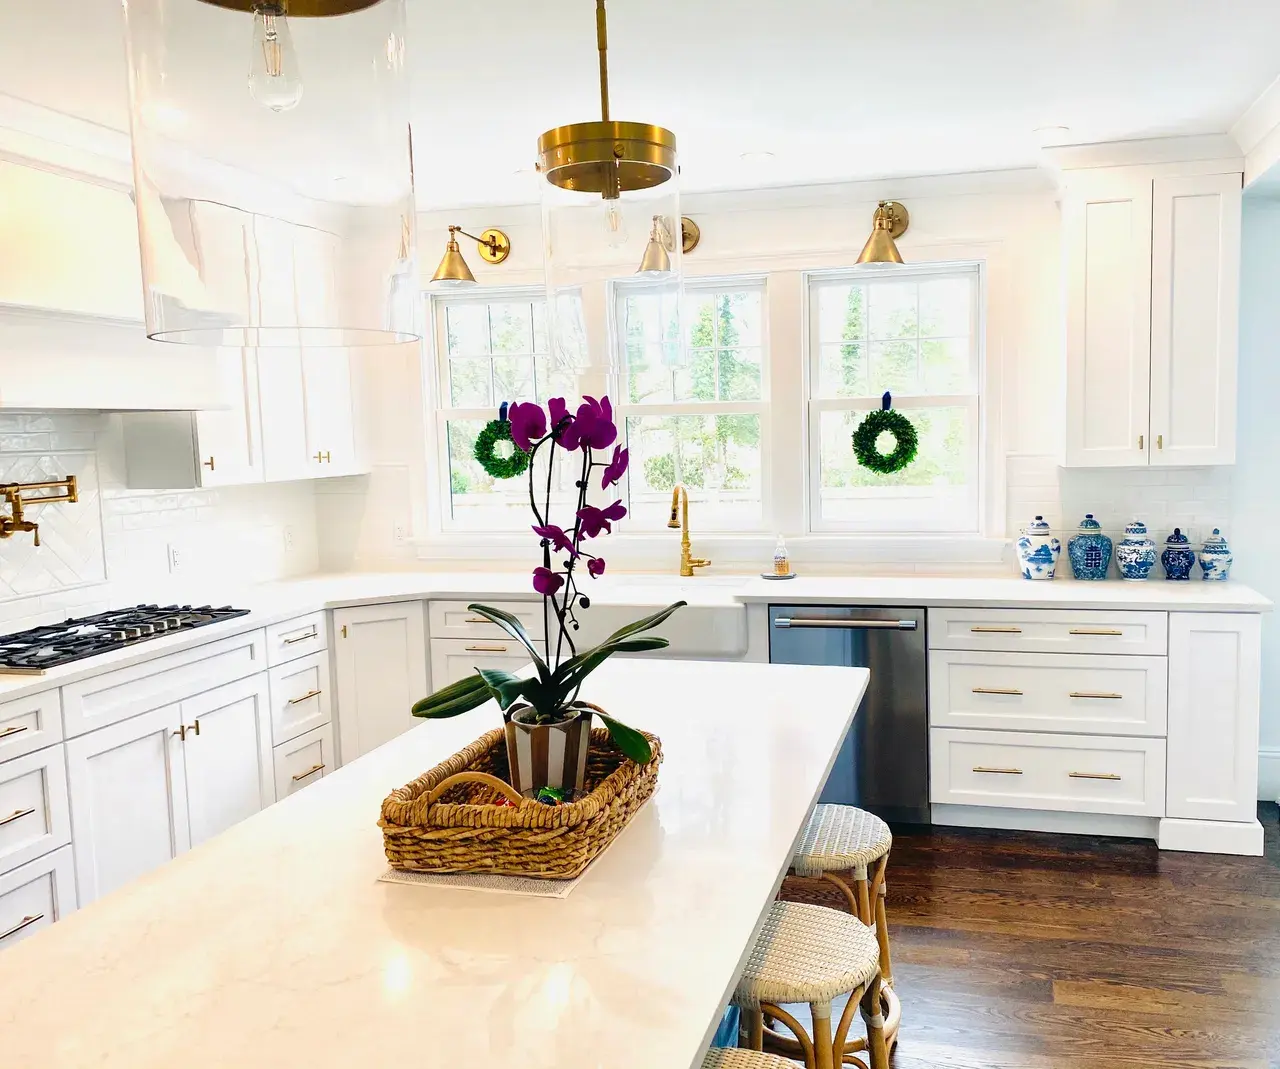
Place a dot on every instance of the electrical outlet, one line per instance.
(289, 539)
(399, 535)
(177, 558)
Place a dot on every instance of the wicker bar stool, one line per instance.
(808, 953)
(737, 1058)
(842, 841)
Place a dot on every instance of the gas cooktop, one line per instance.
(34, 651)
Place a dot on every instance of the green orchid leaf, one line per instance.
(506, 687)
(456, 698)
(629, 740)
(588, 661)
(636, 626)
(513, 627)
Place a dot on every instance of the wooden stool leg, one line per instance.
(864, 903)
(882, 922)
(755, 1029)
(823, 1043)
(871, 1013)
(810, 1055)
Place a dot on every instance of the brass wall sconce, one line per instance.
(656, 262)
(18, 495)
(494, 246)
(889, 223)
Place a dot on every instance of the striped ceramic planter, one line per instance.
(547, 755)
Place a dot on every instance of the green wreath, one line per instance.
(495, 432)
(870, 429)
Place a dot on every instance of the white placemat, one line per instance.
(472, 881)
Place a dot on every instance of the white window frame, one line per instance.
(815, 406)
(760, 408)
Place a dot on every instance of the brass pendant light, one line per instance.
(889, 222)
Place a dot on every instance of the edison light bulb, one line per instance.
(615, 226)
(273, 71)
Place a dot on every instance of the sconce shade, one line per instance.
(890, 221)
(273, 171)
(453, 269)
(657, 261)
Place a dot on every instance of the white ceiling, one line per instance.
(834, 89)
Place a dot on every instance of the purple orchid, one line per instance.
(594, 423)
(546, 582)
(528, 424)
(592, 520)
(595, 567)
(560, 420)
(616, 468)
(557, 536)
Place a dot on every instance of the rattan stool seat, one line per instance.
(736, 1058)
(841, 837)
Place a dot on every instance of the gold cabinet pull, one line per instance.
(313, 633)
(209, 464)
(1104, 631)
(486, 649)
(998, 771)
(304, 697)
(26, 922)
(323, 458)
(1159, 441)
(17, 814)
(182, 732)
(1094, 694)
(1141, 441)
(344, 630)
(12, 730)
(196, 726)
(309, 772)
(996, 630)
(997, 690)
(1094, 775)
(478, 620)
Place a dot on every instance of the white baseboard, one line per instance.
(1269, 774)
(976, 816)
(1211, 836)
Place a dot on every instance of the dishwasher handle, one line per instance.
(847, 625)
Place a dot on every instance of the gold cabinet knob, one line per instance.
(324, 458)
(209, 464)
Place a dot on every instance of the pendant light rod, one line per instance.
(602, 44)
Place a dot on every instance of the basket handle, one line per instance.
(492, 782)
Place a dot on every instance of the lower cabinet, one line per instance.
(303, 761)
(380, 660)
(35, 895)
(456, 658)
(146, 789)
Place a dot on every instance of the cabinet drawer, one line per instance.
(1049, 631)
(303, 761)
(35, 895)
(30, 723)
(34, 813)
(295, 638)
(452, 619)
(300, 699)
(1072, 773)
(456, 658)
(1049, 692)
(115, 696)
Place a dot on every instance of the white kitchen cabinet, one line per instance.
(1215, 664)
(303, 761)
(230, 772)
(1152, 285)
(33, 807)
(308, 410)
(36, 895)
(181, 450)
(128, 791)
(380, 659)
(300, 698)
(456, 658)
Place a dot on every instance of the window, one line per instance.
(695, 414)
(914, 333)
(489, 350)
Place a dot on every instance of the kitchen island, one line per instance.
(274, 944)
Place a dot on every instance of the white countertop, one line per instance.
(273, 602)
(274, 944)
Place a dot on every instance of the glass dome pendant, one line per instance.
(610, 214)
(273, 171)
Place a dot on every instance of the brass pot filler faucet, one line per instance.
(19, 495)
(680, 519)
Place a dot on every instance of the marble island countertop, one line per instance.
(275, 945)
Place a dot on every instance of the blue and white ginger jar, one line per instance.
(1090, 550)
(1136, 553)
(1216, 557)
(1038, 550)
(1178, 557)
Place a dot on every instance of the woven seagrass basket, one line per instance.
(449, 819)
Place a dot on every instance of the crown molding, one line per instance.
(37, 136)
(1220, 148)
(1257, 132)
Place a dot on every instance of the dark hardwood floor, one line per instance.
(1025, 951)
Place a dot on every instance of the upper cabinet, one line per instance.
(1152, 264)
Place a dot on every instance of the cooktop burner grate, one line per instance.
(34, 651)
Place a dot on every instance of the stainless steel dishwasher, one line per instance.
(884, 764)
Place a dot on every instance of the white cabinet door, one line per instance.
(128, 800)
(330, 412)
(380, 657)
(1215, 666)
(456, 658)
(303, 761)
(284, 417)
(229, 441)
(230, 773)
(1107, 249)
(36, 895)
(1195, 298)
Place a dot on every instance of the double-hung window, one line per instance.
(695, 409)
(914, 333)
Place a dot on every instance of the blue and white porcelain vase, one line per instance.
(1038, 550)
(1178, 557)
(1136, 553)
(1216, 557)
(1090, 550)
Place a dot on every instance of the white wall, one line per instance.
(112, 547)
